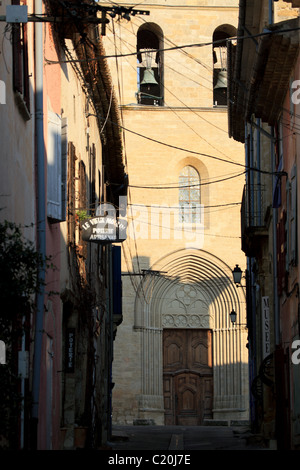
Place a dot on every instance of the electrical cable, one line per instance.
(187, 77)
(204, 154)
(166, 39)
(190, 151)
(129, 194)
(206, 180)
(199, 116)
(184, 229)
(181, 65)
(126, 43)
(214, 157)
(196, 185)
(204, 44)
(176, 207)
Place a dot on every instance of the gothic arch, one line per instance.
(205, 273)
(192, 289)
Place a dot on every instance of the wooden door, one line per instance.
(187, 376)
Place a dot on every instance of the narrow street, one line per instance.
(150, 229)
(187, 438)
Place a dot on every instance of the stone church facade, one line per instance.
(178, 358)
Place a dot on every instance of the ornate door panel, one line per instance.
(188, 405)
(187, 376)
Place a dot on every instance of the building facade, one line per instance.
(57, 163)
(178, 357)
(263, 114)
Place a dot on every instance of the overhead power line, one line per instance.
(185, 46)
(189, 185)
(194, 152)
(198, 153)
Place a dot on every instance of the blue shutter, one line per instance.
(54, 193)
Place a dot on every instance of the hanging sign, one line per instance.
(70, 350)
(104, 229)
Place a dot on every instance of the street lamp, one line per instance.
(237, 277)
(232, 316)
(237, 274)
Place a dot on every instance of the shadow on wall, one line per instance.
(182, 309)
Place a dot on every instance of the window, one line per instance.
(20, 66)
(189, 196)
(149, 67)
(56, 167)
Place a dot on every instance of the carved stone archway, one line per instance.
(193, 289)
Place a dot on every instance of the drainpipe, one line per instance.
(41, 218)
(274, 220)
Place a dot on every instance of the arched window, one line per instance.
(220, 37)
(149, 67)
(189, 195)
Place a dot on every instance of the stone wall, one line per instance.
(159, 141)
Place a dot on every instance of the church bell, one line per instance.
(222, 80)
(149, 78)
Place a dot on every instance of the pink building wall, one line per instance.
(50, 385)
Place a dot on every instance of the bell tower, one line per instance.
(183, 237)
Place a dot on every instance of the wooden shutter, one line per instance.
(54, 167)
(71, 193)
(64, 168)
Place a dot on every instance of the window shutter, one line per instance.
(54, 167)
(64, 168)
(71, 193)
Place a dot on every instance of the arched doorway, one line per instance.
(194, 362)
